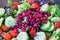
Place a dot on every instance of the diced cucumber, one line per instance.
(2, 11)
(22, 36)
(54, 19)
(10, 21)
(44, 7)
(40, 36)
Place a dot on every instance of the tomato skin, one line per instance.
(35, 5)
(28, 1)
(57, 24)
(12, 33)
(4, 28)
(7, 36)
(15, 5)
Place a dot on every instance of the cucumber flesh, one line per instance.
(40, 36)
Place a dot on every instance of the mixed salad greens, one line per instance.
(29, 20)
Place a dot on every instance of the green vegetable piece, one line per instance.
(10, 21)
(2, 11)
(40, 36)
(9, 2)
(22, 36)
(46, 27)
(55, 35)
(23, 7)
(54, 19)
(52, 27)
(1, 20)
(44, 7)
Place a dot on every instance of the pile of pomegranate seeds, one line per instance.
(31, 20)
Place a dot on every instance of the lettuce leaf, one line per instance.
(55, 35)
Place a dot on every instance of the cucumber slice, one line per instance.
(22, 36)
(2, 11)
(46, 27)
(40, 36)
(44, 7)
(10, 21)
(1, 20)
(54, 19)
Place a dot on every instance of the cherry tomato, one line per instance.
(4, 28)
(12, 33)
(35, 5)
(7, 36)
(28, 1)
(57, 24)
(15, 5)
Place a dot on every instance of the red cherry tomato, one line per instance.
(28, 1)
(15, 5)
(12, 33)
(7, 36)
(35, 5)
(57, 24)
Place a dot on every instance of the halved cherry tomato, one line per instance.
(15, 5)
(12, 33)
(28, 1)
(4, 28)
(57, 24)
(7, 36)
(35, 5)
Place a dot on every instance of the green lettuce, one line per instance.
(55, 35)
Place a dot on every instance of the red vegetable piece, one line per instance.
(57, 24)
(12, 33)
(35, 5)
(7, 36)
(15, 5)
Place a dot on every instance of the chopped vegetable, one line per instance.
(55, 35)
(1, 21)
(35, 5)
(55, 19)
(9, 2)
(44, 7)
(40, 36)
(10, 21)
(46, 27)
(15, 5)
(57, 24)
(2, 11)
(22, 36)
(23, 7)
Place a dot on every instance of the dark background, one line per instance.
(4, 2)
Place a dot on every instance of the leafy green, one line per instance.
(9, 2)
(55, 35)
(23, 7)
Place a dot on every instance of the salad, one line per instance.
(29, 20)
